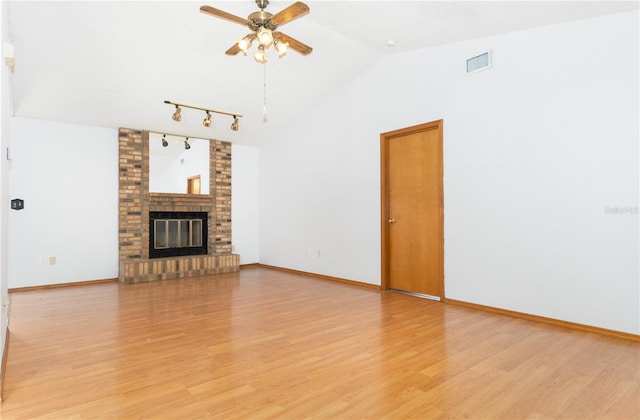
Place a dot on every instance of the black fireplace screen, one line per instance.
(174, 234)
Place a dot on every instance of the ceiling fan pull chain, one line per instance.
(264, 106)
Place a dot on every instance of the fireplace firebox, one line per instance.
(174, 234)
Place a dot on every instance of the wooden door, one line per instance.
(412, 210)
(193, 185)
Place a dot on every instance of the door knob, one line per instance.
(391, 221)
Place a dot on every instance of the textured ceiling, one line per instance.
(112, 64)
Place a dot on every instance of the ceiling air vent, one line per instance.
(479, 62)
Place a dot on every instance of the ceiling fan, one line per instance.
(263, 26)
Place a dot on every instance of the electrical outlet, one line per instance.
(52, 260)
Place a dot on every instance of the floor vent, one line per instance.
(479, 62)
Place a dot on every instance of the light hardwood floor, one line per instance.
(269, 344)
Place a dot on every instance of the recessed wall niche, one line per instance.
(136, 202)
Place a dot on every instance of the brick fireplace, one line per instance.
(136, 203)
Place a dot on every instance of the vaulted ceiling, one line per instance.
(113, 64)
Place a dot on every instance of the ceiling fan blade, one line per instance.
(223, 15)
(296, 10)
(233, 50)
(294, 44)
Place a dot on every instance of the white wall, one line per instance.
(538, 151)
(5, 83)
(244, 202)
(67, 176)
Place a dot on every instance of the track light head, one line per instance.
(207, 120)
(234, 124)
(187, 146)
(176, 115)
(165, 143)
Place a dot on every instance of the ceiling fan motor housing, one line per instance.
(261, 19)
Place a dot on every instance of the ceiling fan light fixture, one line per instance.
(187, 146)
(207, 120)
(282, 48)
(234, 124)
(244, 44)
(260, 56)
(176, 115)
(264, 28)
(265, 36)
(165, 143)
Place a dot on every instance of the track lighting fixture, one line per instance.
(176, 115)
(171, 140)
(207, 119)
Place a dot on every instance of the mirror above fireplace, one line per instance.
(178, 165)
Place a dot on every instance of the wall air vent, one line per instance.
(479, 62)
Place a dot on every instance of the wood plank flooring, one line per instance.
(269, 344)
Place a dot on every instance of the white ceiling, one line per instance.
(112, 64)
